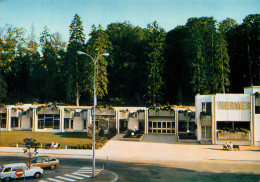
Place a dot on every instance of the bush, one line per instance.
(112, 132)
(101, 132)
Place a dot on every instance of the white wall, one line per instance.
(257, 128)
(25, 122)
(77, 123)
(133, 124)
(232, 114)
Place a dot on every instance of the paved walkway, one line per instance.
(147, 151)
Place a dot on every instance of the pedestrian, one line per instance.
(230, 146)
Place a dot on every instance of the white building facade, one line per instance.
(222, 118)
(51, 118)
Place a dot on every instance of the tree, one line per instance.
(156, 61)
(31, 147)
(10, 39)
(52, 47)
(127, 65)
(201, 50)
(98, 44)
(74, 62)
(178, 68)
(3, 89)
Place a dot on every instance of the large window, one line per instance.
(233, 125)
(50, 121)
(2, 120)
(161, 127)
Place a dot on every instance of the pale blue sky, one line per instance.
(58, 14)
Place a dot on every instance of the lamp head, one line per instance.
(81, 53)
(105, 54)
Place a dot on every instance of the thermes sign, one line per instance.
(234, 105)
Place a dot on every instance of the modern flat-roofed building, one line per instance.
(235, 118)
(52, 118)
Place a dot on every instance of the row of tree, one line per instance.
(145, 66)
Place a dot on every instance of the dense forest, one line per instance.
(146, 66)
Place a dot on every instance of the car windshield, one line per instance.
(33, 160)
(1, 168)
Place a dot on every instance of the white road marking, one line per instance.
(42, 181)
(83, 175)
(71, 176)
(55, 180)
(64, 178)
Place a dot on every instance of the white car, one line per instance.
(18, 170)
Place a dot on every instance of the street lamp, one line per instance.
(95, 103)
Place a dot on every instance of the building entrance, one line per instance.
(162, 127)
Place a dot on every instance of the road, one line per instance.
(132, 171)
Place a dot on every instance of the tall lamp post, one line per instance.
(95, 103)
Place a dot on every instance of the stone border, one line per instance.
(132, 139)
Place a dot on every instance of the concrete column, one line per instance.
(61, 119)
(214, 123)
(34, 120)
(117, 121)
(146, 122)
(252, 121)
(176, 122)
(8, 119)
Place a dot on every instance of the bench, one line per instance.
(236, 147)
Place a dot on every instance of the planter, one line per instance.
(132, 139)
(225, 135)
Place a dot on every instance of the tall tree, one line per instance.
(156, 62)
(126, 70)
(98, 44)
(201, 49)
(74, 62)
(52, 46)
(178, 68)
(11, 44)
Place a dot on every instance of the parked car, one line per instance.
(45, 162)
(18, 170)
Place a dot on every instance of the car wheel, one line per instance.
(53, 167)
(37, 175)
(7, 179)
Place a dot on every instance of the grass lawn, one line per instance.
(69, 139)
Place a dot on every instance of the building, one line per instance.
(216, 119)
(52, 118)
(222, 118)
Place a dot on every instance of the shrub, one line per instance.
(101, 132)
(112, 132)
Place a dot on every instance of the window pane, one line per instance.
(66, 123)
(48, 123)
(71, 124)
(56, 124)
(56, 116)
(40, 116)
(40, 124)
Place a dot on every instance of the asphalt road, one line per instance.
(128, 171)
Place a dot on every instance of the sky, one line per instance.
(57, 15)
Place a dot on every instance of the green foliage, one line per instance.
(31, 144)
(97, 45)
(146, 65)
(75, 65)
(101, 132)
(155, 63)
